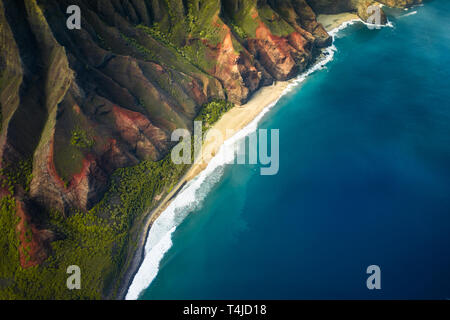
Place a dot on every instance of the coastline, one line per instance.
(334, 21)
(235, 119)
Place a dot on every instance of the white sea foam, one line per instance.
(191, 197)
(408, 14)
(343, 25)
(376, 26)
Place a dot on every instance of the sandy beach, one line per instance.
(333, 21)
(235, 119)
(240, 116)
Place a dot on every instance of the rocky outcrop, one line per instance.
(236, 70)
(299, 13)
(276, 53)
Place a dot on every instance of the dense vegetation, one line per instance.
(81, 138)
(212, 112)
(94, 240)
(98, 240)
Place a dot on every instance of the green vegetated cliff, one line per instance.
(86, 117)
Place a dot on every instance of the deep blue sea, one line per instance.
(364, 180)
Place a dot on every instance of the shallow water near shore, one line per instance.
(364, 179)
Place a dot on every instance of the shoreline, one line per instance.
(334, 21)
(235, 119)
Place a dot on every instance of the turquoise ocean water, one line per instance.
(364, 179)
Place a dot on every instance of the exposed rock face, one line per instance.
(34, 242)
(283, 57)
(358, 6)
(364, 9)
(299, 11)
(74, 80)
(237, 71)
(82, 103)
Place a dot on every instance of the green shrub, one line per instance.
(212, 111)
(98, 241)
(81, 139)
